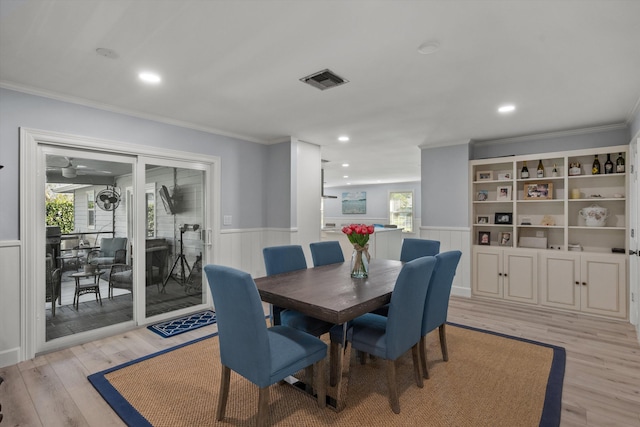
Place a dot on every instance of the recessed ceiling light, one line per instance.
(429, 47)
(345, 165)
(504, 109)
(345, 176)
(343, 138)
(149, 77)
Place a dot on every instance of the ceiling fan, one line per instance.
(70, 168)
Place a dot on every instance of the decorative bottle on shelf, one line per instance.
(554, 172)
(608, 165)
(620, 164)
(540, 171)
(524, 173)
(595, 169)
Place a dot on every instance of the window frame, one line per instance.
(396, 212)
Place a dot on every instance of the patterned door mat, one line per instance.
(180, 325)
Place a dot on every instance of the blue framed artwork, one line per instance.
(354, 202)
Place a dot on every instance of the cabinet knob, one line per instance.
(577, 283)
(505, 274)
(499, 274)
(584, 283)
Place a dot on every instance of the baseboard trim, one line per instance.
(459, 291)
(9, 357)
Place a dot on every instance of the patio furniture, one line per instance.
(113, 250)
(86, 288)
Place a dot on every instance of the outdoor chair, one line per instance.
(324, 253)
(282, 259)
(262, 355)
(389, 337)
(113, 250)
(53, 281)
(120, 277)
(437, 304)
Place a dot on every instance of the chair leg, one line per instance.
(263, 407)
(443, 342)
(392, 384)
(423, 356)
(362, 356)
(415, 352)
(225, 379)
(320, 384)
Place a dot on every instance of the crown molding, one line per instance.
(113, 109)
(550, 135)
(445, 144)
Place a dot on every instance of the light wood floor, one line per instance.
(601, 385)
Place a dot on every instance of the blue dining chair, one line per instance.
(324, 253)
(282, 259)
(417, 248)
(412, 249)
(262, 355)
(389, 337)
(437, 304)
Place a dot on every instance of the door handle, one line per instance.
(634, 252)
(208, 237)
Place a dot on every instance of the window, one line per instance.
(91, 210)
(401, 210)
(150, 201)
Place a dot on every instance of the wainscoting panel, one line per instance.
(451, 239)
(242, 248)
(10, 303)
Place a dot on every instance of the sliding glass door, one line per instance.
(88, 268)
(175, 228)
(126, 239)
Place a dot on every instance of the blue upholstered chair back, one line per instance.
(244, 343)
(109, 245)
(437, 301)
(407, 305)
(324, 253)
(282, 259)
(417, 248)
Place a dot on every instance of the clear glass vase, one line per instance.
(359, 264)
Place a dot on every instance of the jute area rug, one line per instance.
(489, 380)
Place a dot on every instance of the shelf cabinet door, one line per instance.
(487, 272)
(605, 290)
(520, 276)
(560, 280)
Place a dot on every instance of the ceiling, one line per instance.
(233, 67)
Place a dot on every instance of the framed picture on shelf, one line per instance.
(484, 175)
(482, 195)
(484, 238)
(538, 190)
(504, 193)
(483, 219)
(504, 176)
(504, 238)
(503, 218)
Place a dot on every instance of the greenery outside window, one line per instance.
(401, 210)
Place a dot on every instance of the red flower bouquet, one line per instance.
(358, 235)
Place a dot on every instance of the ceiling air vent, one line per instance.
(324, 79)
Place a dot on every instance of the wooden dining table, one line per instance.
(330, 293)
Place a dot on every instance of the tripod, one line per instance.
(182, 259)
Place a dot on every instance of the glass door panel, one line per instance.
(174, 233)
(88, 268)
